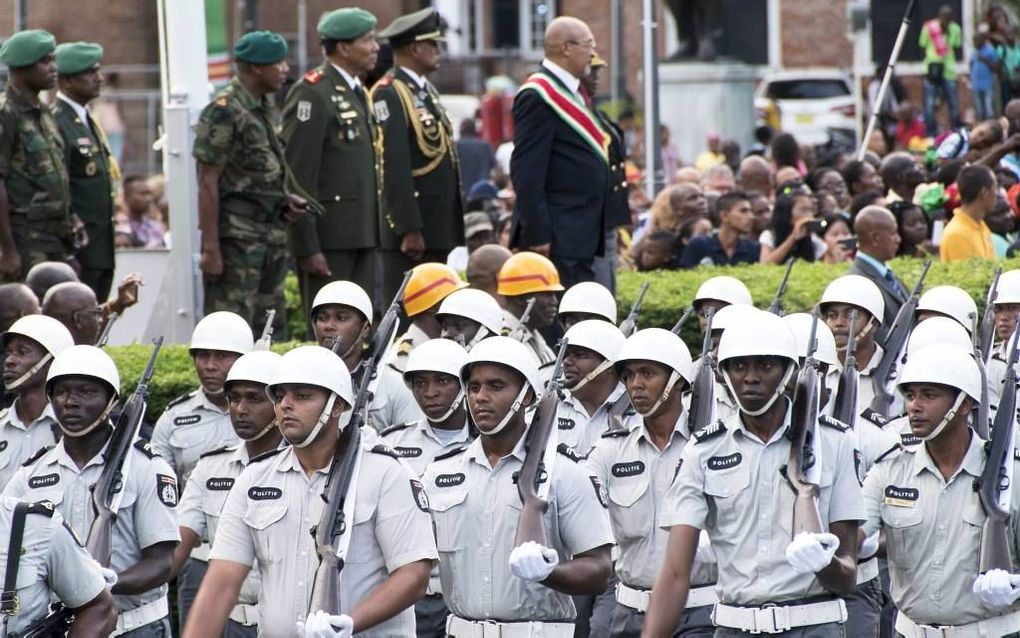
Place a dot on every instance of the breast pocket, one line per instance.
(267, 529)
(212, 507)
(630, 507)
(825, 493)
(364, 517)
(447, 506)
(725, 488)
(903, 530)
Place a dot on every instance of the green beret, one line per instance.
(349, 23)
(25, 48)
(77, 57)
(261, 47)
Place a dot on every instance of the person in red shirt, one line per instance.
(908, 125)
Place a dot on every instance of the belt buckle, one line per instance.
(933, 632)
(491, 629)
(771, 619)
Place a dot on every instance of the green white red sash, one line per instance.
(575, 114)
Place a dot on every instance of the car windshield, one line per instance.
(806, 89)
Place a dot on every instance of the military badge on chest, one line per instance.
(350, 130)
(88, 152)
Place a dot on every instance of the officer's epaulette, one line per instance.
(570, 453)
(221, 101)
(450, 454)
(385, 80)
(45, 508)
(709, 432)
(222, 450)
(179, 400)
(265, 455)
(1016, 454)
(146, 449)
(615, 432)
(878, 419)
(38, 455)
(896, 448)
(397, 428)
(405, 346)
(314, 76)
(835, 424)
(379, 448)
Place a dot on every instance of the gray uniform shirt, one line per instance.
(51, 561)
(147, 513)
(418, 444)
(476, 507)
(20, 440)
(274, 504)
(581, 431)
(543, 355)
(392, 401)
(188, 428)
(729, 485)
(637, 476)
(933, 534)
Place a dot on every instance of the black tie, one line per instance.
(896, 285)
(360, 94)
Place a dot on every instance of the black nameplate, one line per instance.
(724, 462)
(45, 480)
(187, 419)
(621, 470)
(901, 493)
(264, 493)
(408, 452)
(219, 484)
(450, 480)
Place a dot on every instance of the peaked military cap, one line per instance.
(77, 57)
(414, 27)
(25, 48)
(260, 47)
(348, 23)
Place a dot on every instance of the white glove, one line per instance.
(810, 553)
(534, 562)
(997, 588)
(109, 575)
(704, 553)
(322, 625)
(869, 547)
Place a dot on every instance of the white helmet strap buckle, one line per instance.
(673, 378)
(17, 383)
(261, 432)
(780, 389)
(320, 423)
(950, 415)
(514, 409)
(453, 408)
(596, 371)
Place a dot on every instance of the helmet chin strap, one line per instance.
(866, 329)
(950, 415)
(95, 424)
(768, 404)
(323, 418)
(214, 393)
(480, 334)
(514, 409)
(261, 433)
(673, 378)
(357, 342)
(17, 383)
(453, 408)
(596, 371)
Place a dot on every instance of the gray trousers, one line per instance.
(430, 614)
(828, 630)
(605, 266)
(594, 613)
(357, 265)
(696, 623)
(155, 629)
(864, 609)
(188, 580)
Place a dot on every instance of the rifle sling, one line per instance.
(9, 604)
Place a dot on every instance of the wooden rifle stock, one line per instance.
(530, 526)
(803, 430)
(844, 405)
(629, 325)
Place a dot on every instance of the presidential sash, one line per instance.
(575, 114)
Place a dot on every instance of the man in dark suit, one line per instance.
(423, 214)
(477, 159)
(561, 164)
(877, 243)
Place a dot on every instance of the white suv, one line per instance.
(809, 103)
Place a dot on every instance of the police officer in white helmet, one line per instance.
(469, 315)
(719, 292)
(587, 300)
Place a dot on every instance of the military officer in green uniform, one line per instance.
(35, 215)
(90, 165)
(331, 142)
(243, 204)
(423, 218)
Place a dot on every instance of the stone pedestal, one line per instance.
(698, 98)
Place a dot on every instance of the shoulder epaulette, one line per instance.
(570, 453)
(265, 455)
(878, 419)
(450, 454)
(385, 80)
(1016, 454)
(146, 449)
(615, 432)
(314, 76)
(179, 400)
(45, 508)
(835, 424)
(890, 452)
(379, 448)
(38, 455)
(222, 450)
(709, 432)
(405, 346)
(396, 428)
(4, 412)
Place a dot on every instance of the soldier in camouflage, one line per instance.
(244, 206)
(35, 217)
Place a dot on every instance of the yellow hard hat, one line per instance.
(527, 272)
(430, 283)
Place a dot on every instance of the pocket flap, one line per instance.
(260, 516)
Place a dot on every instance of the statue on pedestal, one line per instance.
(697, 23)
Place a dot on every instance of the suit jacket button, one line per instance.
(337, 198)
(415, 193)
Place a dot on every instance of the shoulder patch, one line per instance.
(265, 455)
(835, 424)
(222, 450)
(450, 454)
(709, 432)
(45, 508)
(166, 489)
(396, 428)
(38, 455)
(304, 110)
(145, 448)
(179, 400)
(611, 434)
(892, 451)
(384, 449)
(314, 76)
(421, 499)
(570, 453)
(381, 110)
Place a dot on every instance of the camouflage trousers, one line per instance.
(36, 246)
(251, 283)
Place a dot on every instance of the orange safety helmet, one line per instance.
(430, 283)
(527, 272)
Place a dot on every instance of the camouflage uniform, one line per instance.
(32, 167)
(235, 133)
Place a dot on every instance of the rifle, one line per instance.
(331, 523)
(803, 432)
(997, 475)
(267, 332)
(844, 406)
(987, 328)
(530, 526)
(629, 325)
(776, 307)
(981, 416)
(895, 342)
(111, 479)
(104, 336)
(56, 623)
(678, 326)
(703, 389)
(520, 330)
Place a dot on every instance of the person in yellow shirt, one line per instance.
(712, 155)
(966, 236)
